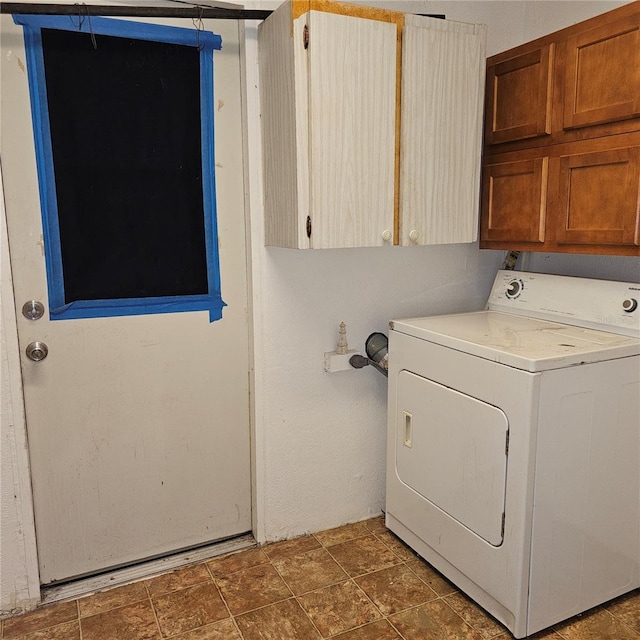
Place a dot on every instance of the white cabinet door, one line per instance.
(328, 104)
(443, 65)
(352, 122)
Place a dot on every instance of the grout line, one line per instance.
(237, 627)
(79, 620)
(153, 610)
(215, 584)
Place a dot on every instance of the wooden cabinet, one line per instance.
(519, 96)
(561, 158)
(602, 74)
(367, 135)
(597, 197)
(580, 197)
(514, 198)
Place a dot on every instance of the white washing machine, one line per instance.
(513, 460)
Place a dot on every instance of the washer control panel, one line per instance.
(585, 302)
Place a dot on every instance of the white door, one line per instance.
(138, 425)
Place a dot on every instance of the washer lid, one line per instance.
(518, 341)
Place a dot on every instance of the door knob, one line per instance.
(37, 351)
(33, 310)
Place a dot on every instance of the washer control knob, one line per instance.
(513, 288)
(630, 304)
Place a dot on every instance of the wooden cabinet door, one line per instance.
(442, 96)
(602, 76)
(599, 197)
(352, 128)
(518, 102)
(514, 201)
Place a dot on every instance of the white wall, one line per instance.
(318, 438)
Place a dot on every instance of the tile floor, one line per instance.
(356, 582)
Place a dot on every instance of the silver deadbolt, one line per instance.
(37, 351)
(33, 310)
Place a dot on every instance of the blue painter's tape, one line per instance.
(139, 306)
(206, 43)
(123, 29)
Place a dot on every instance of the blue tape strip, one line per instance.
(207, 42)
(139, 306)
(123, 28)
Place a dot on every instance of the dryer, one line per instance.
(513, 457)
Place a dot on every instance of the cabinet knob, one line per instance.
(387, 235)
(413, 235)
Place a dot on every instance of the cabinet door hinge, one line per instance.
(305, 36)
(308, 226)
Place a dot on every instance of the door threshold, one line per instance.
(142, 570)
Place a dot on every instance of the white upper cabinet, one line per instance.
(328, 98)
(443, 79)
(345, 158)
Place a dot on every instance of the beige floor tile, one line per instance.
(112, 599)
(64, 631)
(308, 571)
(279, 550)
(253, 588)
(188, 609)
(363, 555)
(376, 525)
(223, 630)
(49, 616)
(433, 578)
(597, 624)
(395, 589)
(225, 565)
(548, 634)
(179, 579)
(405, 553)
(436, 621)
(133, 622)
(474, 616)
(338, 608)
(379, 630)
(342, 534)
(281, 621)
(627, 609)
